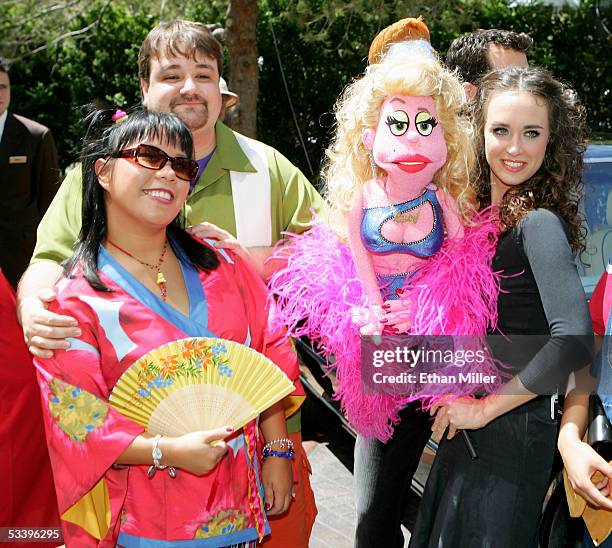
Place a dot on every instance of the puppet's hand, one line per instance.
(370, 319)
(398, 314)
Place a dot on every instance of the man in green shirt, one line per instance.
(248, 189)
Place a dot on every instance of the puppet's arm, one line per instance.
(368, 319)
(452, 221)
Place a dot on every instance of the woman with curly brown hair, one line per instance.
(530, 140)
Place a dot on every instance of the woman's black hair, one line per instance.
(105, 138)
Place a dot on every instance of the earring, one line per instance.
(373, 166)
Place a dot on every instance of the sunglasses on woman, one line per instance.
(152, 157)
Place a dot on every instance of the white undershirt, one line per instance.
(2, 122)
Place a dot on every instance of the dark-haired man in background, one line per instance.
(475, 54)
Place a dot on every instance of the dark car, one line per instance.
(597, 211)
(557, 529)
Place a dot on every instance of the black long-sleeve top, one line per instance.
(542, 295)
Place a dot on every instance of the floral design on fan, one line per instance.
(157, 382)
(224, 522)
(76, 411)
(218, 349)
(193, 358)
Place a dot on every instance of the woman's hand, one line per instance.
(195, 452)
(581, 462)
(459, 414)
(277, 477)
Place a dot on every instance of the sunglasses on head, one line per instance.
(152, 157)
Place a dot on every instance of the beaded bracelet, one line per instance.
(282, 454)
(156, 453)
(283, 442)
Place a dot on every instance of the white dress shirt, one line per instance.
(2, 122)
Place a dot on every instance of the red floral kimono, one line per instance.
(103, 505)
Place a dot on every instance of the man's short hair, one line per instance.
(174, 38)
(5, 66)
(468, 53)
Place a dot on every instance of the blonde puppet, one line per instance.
(398, 191)
(397, 175)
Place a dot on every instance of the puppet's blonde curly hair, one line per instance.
(348, 164)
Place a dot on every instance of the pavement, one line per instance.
(332, 484)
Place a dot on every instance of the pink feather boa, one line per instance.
(453, 293)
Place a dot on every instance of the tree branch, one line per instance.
(66, 35)
(37, 15)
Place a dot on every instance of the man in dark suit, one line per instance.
(29, 178)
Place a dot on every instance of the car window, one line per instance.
(596, 209)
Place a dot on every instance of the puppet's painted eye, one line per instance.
(425, 123)
(398, 122)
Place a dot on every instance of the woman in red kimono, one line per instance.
(136, 282)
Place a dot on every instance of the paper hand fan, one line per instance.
(198, 384)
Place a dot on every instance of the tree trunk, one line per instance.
(241, 41)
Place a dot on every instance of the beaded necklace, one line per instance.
(161, 279)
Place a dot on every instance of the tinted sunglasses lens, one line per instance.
(151, 157)
(184, 168)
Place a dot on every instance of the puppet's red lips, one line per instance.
(413, 163)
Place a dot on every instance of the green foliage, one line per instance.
(99, 66)
(322, 45)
